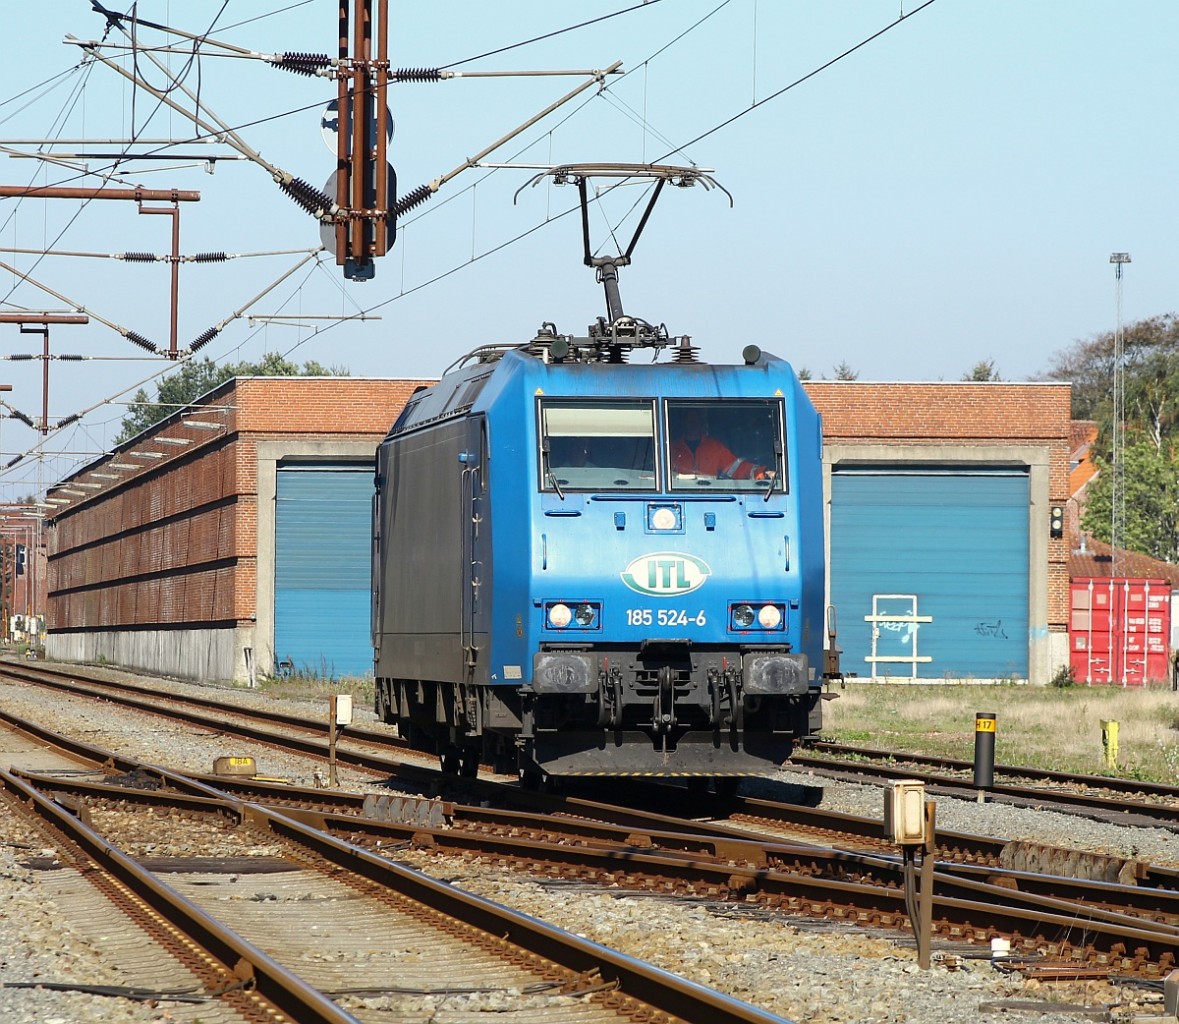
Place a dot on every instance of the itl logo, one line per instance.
(666, 574)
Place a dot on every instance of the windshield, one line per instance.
(597, 445)
(734, 445)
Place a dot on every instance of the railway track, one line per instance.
(1127, 801)
(1126, 928)
(784, 822)
(637, 801)
(369, 750)
(1113, 784)
(275, 955)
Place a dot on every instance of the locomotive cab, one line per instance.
(671, 638)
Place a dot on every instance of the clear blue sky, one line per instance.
(950, 192)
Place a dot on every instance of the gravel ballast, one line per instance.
(806, 972)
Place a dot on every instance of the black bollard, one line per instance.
(984, 750)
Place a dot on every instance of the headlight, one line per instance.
(664, 517)
(754, 616)
(769, 616)
(573, 615)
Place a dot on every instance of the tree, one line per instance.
(1150, 458)
(983, 370)
(843, 371)
(1151, 479)
(1150, 364)
(196, 377)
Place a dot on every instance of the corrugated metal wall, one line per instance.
(1119, 630)
(929, 571)
(322, 571)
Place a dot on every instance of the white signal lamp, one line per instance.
(770, 616)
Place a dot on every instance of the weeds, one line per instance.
(1064, 678)
(1039, 727)
(314, 687)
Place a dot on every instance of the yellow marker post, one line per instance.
(984, 752)
(1109, 740)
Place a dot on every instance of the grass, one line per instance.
(298, 686)
(1040, 727)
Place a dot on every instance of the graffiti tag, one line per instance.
(991, 629)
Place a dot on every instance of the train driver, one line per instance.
(697, 452)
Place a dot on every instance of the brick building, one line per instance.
(939, 499)
(22, 571)
(233, 538)
(154, 550)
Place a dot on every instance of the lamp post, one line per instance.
(1118, 484)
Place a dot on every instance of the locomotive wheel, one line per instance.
(469, 763)
(726, 787)
(531, 779)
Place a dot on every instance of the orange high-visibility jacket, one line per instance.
(711, 458)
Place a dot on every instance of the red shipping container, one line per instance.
(1119, 631)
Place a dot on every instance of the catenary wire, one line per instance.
(519, 237)
(711, 131)
(797, 82)
(405, 292)
(550, 35)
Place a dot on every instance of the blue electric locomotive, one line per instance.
(584, 566)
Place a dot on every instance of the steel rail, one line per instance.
(125, 695)
(970, 847)
(283, 990)
(467, 828)
(1114, 783)
(962, 845)
(45, 676)
(962, 902)
(1100, 807)
(775, 870)
(963, 907)
(591, 963)
(1151, 813)
(1159, 815)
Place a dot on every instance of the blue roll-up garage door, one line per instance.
(929, 571)
(322, 570)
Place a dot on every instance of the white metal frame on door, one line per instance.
(891, 621)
